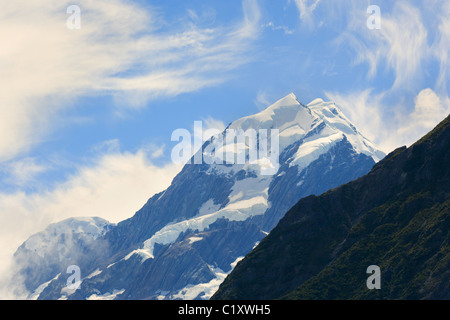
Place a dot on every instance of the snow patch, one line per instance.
(235, 262)
(208, 207)
(107, 296)
(35, 295)
(249, 197)
(238, 211)
(194, 239)
(66, 292)
(94, 274)
(310, 151)
(205, 290)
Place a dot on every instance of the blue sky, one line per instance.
(87, 114)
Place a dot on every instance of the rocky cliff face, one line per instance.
(396, 217)
(185, 240)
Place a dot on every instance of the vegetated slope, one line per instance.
(395, 217)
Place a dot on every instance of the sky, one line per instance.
(86, 114)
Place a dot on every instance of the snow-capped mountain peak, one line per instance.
(287, 115)
(317, 128)
(186, 239)
(333, 117)
(319, 121)
(44, 242)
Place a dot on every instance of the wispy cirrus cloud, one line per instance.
(122, 49)
(441, 48)
(21, 172)
(400, 101)
(306, 9)
(274, 27)
(262, 99)
(399, 45)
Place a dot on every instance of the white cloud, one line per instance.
(306, 8)
(158, 152)
(412, 39)
(249, 28)
(392, 126)
(121, 49)
(262, 100)
(274, 27)
(22, 172)
(441, 49)
(400, 43)
(429, 110)
(412, 35)
(214, 124)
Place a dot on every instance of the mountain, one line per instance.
(184, 241)
(396, 217)
(60, 245)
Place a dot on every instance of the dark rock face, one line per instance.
(397, 217)
(340, 165)
(182, 200)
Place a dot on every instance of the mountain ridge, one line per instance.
(396, 216)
